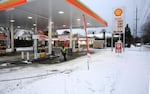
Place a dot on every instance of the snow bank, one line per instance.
(109, 73)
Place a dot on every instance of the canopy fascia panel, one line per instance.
(11, 3)
(82, 7)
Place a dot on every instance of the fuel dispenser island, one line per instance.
(40, 46)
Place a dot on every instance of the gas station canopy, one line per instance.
(38, 12)
(5, 4)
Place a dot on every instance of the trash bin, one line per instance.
(69, 50)
(53, 53)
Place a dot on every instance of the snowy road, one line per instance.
(109, 73)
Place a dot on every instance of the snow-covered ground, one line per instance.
(109, 73)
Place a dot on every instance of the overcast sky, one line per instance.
(104, 8)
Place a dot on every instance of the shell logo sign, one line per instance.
(6, 4)
(118, 12)
(118, 20)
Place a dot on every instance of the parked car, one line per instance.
(138, 44)
(147, 43)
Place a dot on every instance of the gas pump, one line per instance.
(3, 43)
(41, 49)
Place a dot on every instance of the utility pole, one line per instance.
(136, 22)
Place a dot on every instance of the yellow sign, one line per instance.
(118, 12)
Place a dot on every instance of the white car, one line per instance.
(138, 44)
